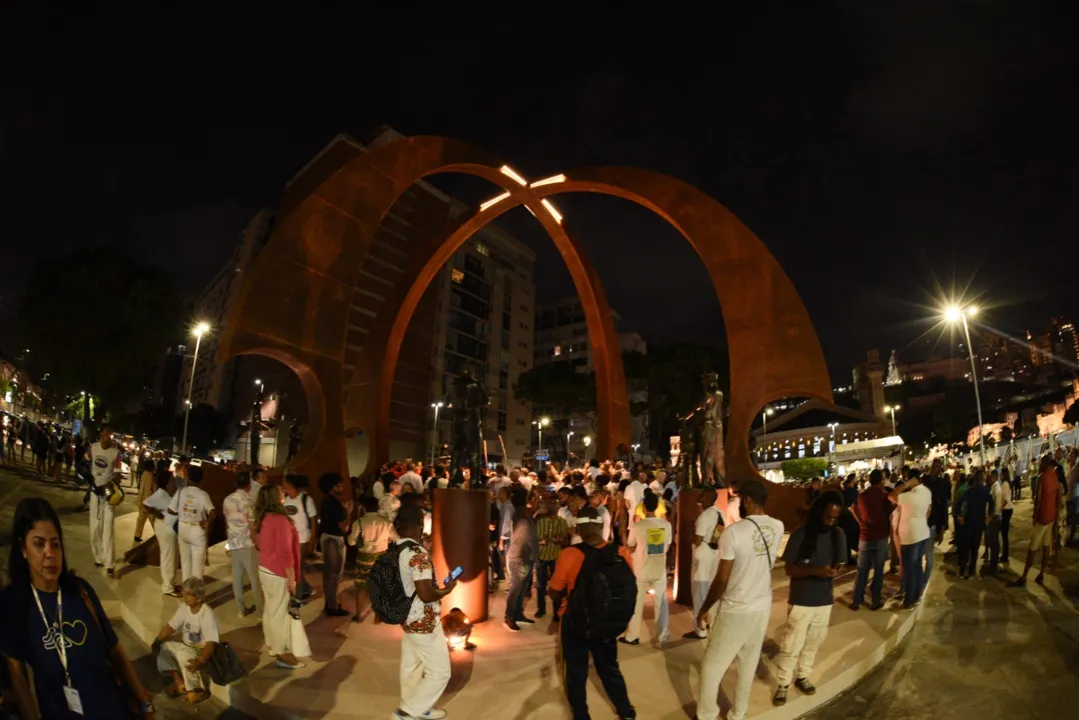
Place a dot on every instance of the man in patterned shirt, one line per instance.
(553, 532)
(425, 657)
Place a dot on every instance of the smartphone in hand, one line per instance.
(453, 575)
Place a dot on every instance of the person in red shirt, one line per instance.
(1048, 502)
(576, 649)
(872, 511)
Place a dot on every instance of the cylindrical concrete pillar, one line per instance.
(461, 536)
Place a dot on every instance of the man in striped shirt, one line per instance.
(553, 533)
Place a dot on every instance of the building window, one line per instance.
(502, 422)
(520, 421)
(522, 344)
(524, 327)
(503, 379)
(557, 350)
(482, 249)
(524, 308)
(523, 363)
(458, 276)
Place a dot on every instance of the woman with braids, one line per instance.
(53, 624)
(814, 555)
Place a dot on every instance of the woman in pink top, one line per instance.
(279, 566)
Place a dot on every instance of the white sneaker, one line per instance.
(664, 637)
(434, 714)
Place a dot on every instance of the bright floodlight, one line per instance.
(257, 381)
(952, 313)
(200, 329)
(587, 440)
(972, 311)
(543, 422)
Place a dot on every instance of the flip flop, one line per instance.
(174, 692)
(196, 696)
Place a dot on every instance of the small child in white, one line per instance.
(183, 659)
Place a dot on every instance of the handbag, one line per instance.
(224, 667)
(131, 701)
(298, 637)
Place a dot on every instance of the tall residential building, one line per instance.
(478, 309)
(214, 381)
(562, 336)
(486, 301)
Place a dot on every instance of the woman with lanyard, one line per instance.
(54, 626)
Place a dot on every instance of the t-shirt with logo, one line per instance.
(25, 638)
(415, 565)
(104, 462)
(196, 629)
(650, 538)
(238, 515)
(192, 504)
(753, 551)
(301, 521)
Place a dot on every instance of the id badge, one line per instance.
(74, 702)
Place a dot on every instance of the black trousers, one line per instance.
(1005, 527)
(970, 540)
(575, 651)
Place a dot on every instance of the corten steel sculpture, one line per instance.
(304, 291)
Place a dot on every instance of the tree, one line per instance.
(804, 468)
(97, 320)
(674, 384)
(557, 389)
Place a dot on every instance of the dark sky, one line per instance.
(881, 151)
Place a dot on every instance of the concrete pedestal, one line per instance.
(461, 536)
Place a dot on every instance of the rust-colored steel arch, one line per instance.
(774, 351)
(298, 298)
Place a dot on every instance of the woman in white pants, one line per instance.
(196, 511)
(279, 566)
(165, 522)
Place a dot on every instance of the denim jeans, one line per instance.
(498, 572)
(913, 555)
(520, 573)
(929, 544)
(544, 570)
(970, 539)
(871, 556)
(992, 541)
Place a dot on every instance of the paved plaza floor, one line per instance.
(976, 649)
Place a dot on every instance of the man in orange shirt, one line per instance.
(1048, 502)
(575, 646)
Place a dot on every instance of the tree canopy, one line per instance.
(98, 319)
(557, 389)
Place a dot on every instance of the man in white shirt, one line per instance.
(410, 480)
(498, 481)
(425, 657)
(165, 532)
(649, 541)
(633, 494)
(196, 512)
(992, 527)
(239, 515)
(597, 498)
(390, 502)
(303, 514)
(706, 532)
(914, 502)
(104, 469)
(743, 588)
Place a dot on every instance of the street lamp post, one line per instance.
(767, 412)
(833, 426)
(198, 331)
(892, 409)
(587, 443)
(434, 431)
(255, 436)
(540, 424)
(956, 314)
(568, 436)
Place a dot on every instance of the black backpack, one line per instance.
(605, 595)
(384, 586)
(224, 667)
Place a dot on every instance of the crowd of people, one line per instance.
(596, 543)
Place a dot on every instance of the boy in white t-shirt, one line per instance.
(196, 513)
(649, 539)
(706, 532)
(743, 589)
(184, 659)
(165, 531)
(302, 512)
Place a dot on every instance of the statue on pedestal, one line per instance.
(702, 436)
(469, 401)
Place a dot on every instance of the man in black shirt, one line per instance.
(973, 514)
(812, 558)
(941, 489)
(334, 521)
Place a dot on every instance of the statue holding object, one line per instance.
(702, 437)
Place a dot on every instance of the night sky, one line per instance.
(881, 154)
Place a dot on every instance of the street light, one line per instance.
(540, 424)
(892, 409)
(434, 432)
(953, 314)
(198, 331)
(833, 426)
(568, 436)
(767, 411)
(587, 440)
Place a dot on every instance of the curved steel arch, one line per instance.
(774, 350)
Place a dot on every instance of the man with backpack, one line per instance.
(743, 588)
(594, 584)
(403, 592)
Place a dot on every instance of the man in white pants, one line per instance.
(706, 532)
(104, 465)
(649, 540)
(815, 553)
(239, 508)
(165, 532)
(743, 587)
(425, 658)
(196, 511)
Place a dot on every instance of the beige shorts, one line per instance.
(1042, 536)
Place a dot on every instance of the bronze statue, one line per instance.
(469, 407)
(702, 436)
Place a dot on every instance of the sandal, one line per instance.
(196, 696)
(174, 692)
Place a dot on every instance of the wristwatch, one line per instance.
(148, 707)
